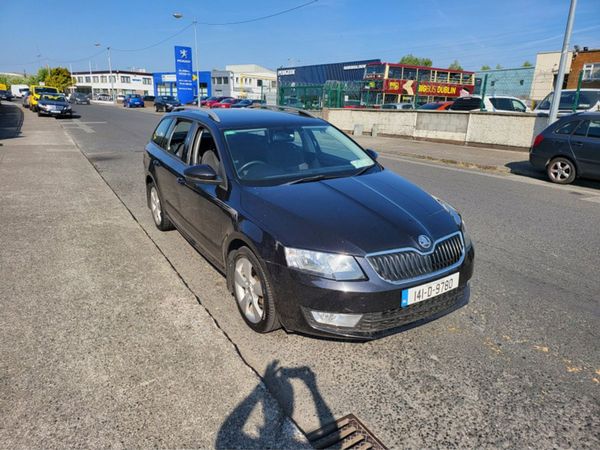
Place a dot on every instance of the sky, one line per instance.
(505, 32)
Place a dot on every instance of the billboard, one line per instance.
(183, 74)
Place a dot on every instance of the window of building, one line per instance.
(95, 79)
(493, 83)
(273, 83)
(112, 78)
(80, 79)
(103, 79)
(146, 81)
(591, 71)
(237, 80)
(259, 83)
(125, 79)
(225, 80)
(88, 79)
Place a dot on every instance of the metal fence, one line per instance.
(332, 94)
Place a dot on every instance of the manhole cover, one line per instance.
(345, 433)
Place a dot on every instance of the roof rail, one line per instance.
(299, 111)
(210, 113)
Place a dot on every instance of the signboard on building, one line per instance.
(183, 74)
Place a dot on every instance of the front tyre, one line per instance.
(161, 221)
(252, 290)
(561, 171)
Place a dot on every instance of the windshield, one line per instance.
(587, 100)
(168, 98)
(269, 156)
(375, 69)
(42, 90)
(54, 97)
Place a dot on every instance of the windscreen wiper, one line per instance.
(313, 178)
(362, 170)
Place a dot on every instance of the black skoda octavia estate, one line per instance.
(311, 231)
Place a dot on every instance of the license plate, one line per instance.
(426, 291)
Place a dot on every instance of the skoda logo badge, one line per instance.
(424, 241)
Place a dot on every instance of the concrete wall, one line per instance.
(493, 129)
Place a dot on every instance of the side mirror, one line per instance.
(202, 173)
(372, 153)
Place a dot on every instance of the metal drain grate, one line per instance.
(345, 434)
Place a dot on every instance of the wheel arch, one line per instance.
(568, 157)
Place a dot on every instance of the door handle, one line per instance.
(181, 180)
(578, 144)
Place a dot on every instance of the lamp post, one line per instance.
(178, 15)
(110, 78)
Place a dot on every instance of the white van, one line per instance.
(19, 90)
(589, 100)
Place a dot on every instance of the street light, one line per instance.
(112, 85)
(178, 15)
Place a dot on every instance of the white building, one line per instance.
(122, 82)
(544, 75)
(245, 81)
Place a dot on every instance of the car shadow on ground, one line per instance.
(11, 121)
(525, 169)
(278, 379)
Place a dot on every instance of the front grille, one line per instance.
(404, 265)
(397, 317)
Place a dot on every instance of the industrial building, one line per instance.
(245, 81)
(515, 82)
(120, 82)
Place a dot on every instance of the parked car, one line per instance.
(569, 148)
(209, 102)
(104, 97)
(166, 103)
(6, 95)
(397, 106)
(247, 103)
(35, 93)
(133, 101)
(79, 98)
(436, 106)
(496, 103)
(225, 103)
(312, 232)
(589, 100)
(52, 104)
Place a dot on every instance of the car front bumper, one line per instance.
(55, 112)
(376, 300)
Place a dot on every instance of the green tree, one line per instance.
(455, 65)
(59, 77)
(498, 66)
(41, 75)
(527, 64)
(412, 60)
(485, 67)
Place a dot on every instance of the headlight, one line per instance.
(457, 219)
(327, 265)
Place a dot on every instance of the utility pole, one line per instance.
(562, 65)
(91, 79)
(112, 81)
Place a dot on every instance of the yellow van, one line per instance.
(35, 92)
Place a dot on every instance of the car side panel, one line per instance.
(587, 154)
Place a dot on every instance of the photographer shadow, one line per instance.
(277, 430)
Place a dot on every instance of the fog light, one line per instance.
(338, 320)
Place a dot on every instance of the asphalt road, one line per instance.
(519, 366)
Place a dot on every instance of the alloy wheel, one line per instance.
(248, 290)
(155, 206)
(560, 171)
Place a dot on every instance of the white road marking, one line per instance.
(83, 126)
(508, 177)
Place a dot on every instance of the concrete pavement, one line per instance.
(517, 367)
(103, 344)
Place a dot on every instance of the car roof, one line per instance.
(584, 114)
(249, 118)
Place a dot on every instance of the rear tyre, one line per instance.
(561, 170)
(161, 220)
(252, 290)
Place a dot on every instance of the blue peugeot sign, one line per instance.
(183, 74)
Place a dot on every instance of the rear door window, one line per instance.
(568, 127)
(518, 106)
(582, 128)
(160, 134)
(466, 104)
(178, 144)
